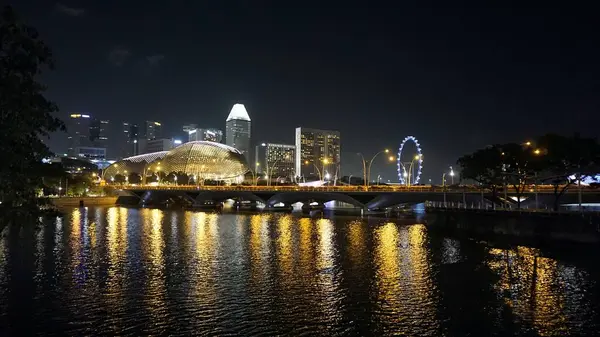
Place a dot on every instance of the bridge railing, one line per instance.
(344, 188)
(288, 188)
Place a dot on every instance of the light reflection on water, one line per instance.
(147, 271)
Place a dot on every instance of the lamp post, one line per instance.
(350, 180)
(254, 178)
(452, 175)
(316, 167)
(408, 173)
(367, 168)
(273, 167)
(444, 187)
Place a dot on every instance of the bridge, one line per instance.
(369, 198)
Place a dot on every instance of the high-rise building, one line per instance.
(157, 145)
(128, 140)
(276, 160)
(87, 136)
(98, 132)
(318, 153)
(152, 130)
(78, 128)
(237, 130)
(211, 135)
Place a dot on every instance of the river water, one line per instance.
(132, 272)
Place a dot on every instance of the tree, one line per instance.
(484, 166)
(521, 164)
(25, 117)
(508, 164)
(567, 160)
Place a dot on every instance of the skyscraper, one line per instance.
(87, 136)
(78, 128)
(152, 130)
(237, 130)
(317, 153)
(98, 132)
(276, 160)
(195, 133)
(128, 140)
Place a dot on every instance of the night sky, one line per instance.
(455, 78)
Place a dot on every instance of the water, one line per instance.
(132, 272)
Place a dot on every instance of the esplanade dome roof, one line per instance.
(207, 160)
(134, 164)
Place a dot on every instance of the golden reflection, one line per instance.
(405, 290)
(202, 275)
(530, 286)
(284, 247)
(306, 245)
(259, 246)
(152, 234)
(387, 263)
(327, 281)
(75, 245)
(116, 241)
(356, 243)
(325, 254)
(256, 254)
(156, 239)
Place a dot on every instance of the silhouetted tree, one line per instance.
(483, 166)
(568, 159)
(25, 117)
(508, 164)
(522, 164)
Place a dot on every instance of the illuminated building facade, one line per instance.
(276, 160)
(210, 135)
(87, 136)
(157, 145)
(318, 152)
(152, 130)
(128, 140)
(199, 159)
(238, 130)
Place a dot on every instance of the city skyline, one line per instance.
(455, 78)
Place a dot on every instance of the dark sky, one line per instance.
(457, 78)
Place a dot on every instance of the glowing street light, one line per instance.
(367, 168)
(537, 151)
(452, 175)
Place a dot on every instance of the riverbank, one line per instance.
(531, 226)
(83, 201)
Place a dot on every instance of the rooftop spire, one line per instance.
(238, 112)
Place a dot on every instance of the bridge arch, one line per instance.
(322, 197)
(220, 196)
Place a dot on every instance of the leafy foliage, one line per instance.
(568, 157)
(26, 116)
(552, 159)
(483, 166)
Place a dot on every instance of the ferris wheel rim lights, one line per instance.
(401, 169)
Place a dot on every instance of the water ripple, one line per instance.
(130, 272)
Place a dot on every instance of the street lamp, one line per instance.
(452, 175)
(273, 167)
(325, 162)
(407, 182)
(367, 168)
(316, 167)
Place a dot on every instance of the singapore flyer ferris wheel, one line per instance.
(410, 165)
